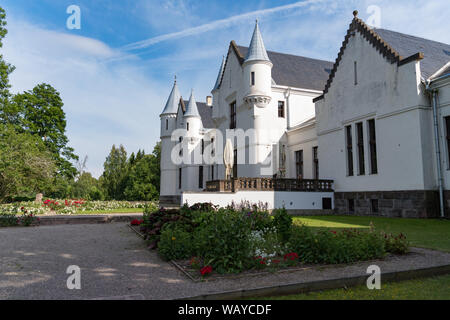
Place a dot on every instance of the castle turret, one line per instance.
(257, 72)
(168, 191)
(191, 118)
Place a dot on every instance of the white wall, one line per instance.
(274, 199)
(393, 96)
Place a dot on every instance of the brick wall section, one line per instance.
(404, 204)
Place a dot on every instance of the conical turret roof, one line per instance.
(191, 109)
(256, 50)
(173, 101)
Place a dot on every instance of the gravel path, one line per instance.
(115, 264)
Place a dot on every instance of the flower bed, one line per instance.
(73, 206)
(24, 218)
(206, 240)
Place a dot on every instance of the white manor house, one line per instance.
(368, 134)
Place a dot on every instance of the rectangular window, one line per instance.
(374, 205)
(299, 164)
(233, 115)
(280, 109)
(253, 79)
(326, 204)
(355, 67)
(372, 147)
(167, 124)
(200, 177)
(349, 141)
(351, 205)
(212, 172)
(212, 147)
(315, 163)
(179, 178)
(203, 146)
(447, 138)
(360, 137)
(235, 173)
(187, 126)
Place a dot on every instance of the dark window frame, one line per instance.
(360, 144)
(299, 164)
(200, 177)
(315, 162)
(252, 78)
(372, 146)
(233, 115)
(349, 142)
(447, 138)
(281, 109)
(235, 166)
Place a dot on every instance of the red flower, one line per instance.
(291, 256)
(334, 232)
(206, 270)
(136, 222)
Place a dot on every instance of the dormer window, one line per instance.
(253, 78)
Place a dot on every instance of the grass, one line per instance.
(122, 210)
(424, 233)
(435, 288)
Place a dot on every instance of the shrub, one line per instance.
(282, 222)
(223, 241)
(333, 247)
(396, 244)
(175, 243)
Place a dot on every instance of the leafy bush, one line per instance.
(282, 222)
(175, 243)
(333, 247)
(223, 240)
(396, 244)
(154, 221)
(25, 219)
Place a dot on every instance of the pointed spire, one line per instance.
(191, 109)
(256, 50)
(174, 98)
(219, 76)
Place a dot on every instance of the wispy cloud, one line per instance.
(218, 24)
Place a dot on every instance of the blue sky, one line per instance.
(115, 73)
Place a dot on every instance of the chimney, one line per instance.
(209, 101)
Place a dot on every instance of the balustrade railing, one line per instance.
(269, 184)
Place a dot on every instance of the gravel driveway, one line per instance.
(115, 264)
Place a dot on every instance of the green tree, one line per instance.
(115, 172)
(87, 187)
(26, 166)
(143, 179)
(41, 113)
(5, 70)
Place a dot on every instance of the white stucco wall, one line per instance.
(393, 96)
(274, 199)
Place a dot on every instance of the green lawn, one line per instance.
(123, 210)
(425, 233)
(420, 289)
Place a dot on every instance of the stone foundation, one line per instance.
(404, 204)
(169, 201)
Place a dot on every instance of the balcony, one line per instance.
(269, 184)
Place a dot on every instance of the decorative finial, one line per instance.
(355, 13)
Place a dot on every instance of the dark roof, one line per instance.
(435, 54)
(396, 48)
(296, 71)
(205, 113)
